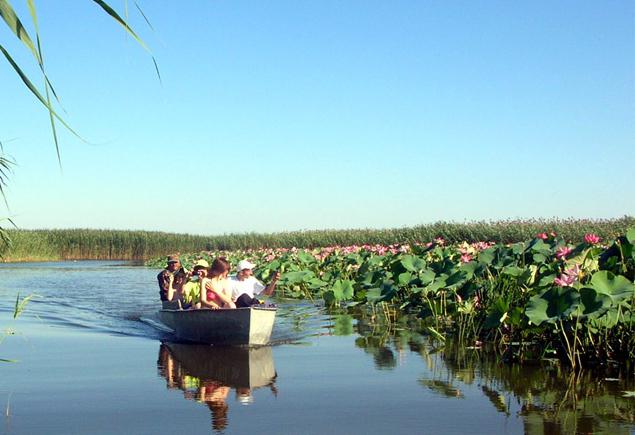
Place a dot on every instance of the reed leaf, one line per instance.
(14, 23)
(20, 305)
(144, 16)
(33, 12)
(110, 11)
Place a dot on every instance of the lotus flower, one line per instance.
(562, 252)
(542, 236)
(568, 277)
(592, 239)
(466, 258)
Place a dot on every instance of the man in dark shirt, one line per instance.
(169, 283)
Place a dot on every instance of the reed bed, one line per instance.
(88, 244)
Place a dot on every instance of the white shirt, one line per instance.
(249, 286)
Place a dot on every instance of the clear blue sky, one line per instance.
(290, 115)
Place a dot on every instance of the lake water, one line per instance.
(91, 361)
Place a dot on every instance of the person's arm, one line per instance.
(171, 290)
(268, 291)
(165, 284)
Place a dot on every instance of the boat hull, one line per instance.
(228, 327)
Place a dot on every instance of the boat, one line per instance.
(250, 326)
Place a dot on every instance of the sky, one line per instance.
(300, 115)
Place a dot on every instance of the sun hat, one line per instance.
(202, 263)
(245, 264)
(173, 259)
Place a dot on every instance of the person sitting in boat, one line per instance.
(245, 286)
(171, 280)
(192, 288)
(215, 289)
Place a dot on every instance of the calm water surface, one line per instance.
(92, 361)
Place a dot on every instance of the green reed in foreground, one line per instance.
(140, 245)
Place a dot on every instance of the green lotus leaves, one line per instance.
(540, 247)
(413, 263)
(297, 277)
(487, 256)
(343, 289)
(404, 278)
(305, 257)
(514, 271)
(595, 304)
(519, 248)
(618, 288)
(470, 269)
(427, 276)
(552, 305)
(496, 314)
(546, 280)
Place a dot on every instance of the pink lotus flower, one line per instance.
(568, 277)
(440, 241)
(592, 239)
(542, 236)
(562, 252)
(466, 258)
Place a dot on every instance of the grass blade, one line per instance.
(110, 11)
(144, 16)
(20, 305)
(47, 83)
(14, 23)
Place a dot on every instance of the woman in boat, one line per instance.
(215, 288)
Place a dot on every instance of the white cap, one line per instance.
(245, 264)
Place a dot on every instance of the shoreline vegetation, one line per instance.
(534, 299)
(89, 244)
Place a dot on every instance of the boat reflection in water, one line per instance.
(207, 374)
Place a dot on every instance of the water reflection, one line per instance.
(207, 374)
(550, 398)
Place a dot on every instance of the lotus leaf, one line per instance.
(518, 248)
(427, 276)
(540, 247)
(343, 289)
(487, 256)
(497, 313)
(316, 283)
(305, 257)
(514, 271)
(404, 278)
(546, 280)
(470, 269)
(298, 277)
(456, 280)
(553, 304)
(595, 304)
(618, 288)
(412, 263)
